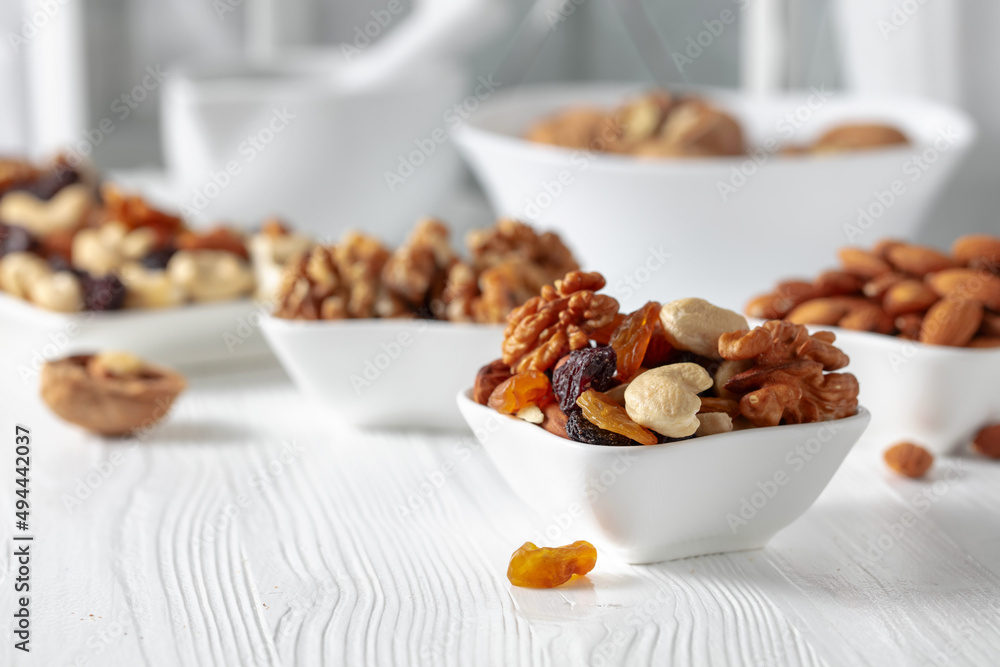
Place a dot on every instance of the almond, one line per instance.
(838, 283)
(968, 283)
(861, 262)
(908, 296)
(909, 325)
(991, 325)
(984, 342)
(977, 249)
(826, 311)
(909, 459)
(786, 296)
(917, 259)
(951, 321)
(987, 441)
(863, 315)
(881, 247)
(877, 287)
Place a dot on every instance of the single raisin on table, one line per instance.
(581, 430)
(519, 390)
(631, 339)
(487, 379)
(104, 293)
(548, 567)
(594, 366)
(601, 411)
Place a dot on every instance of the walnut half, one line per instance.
(113, 393)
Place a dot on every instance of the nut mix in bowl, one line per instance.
(67, 245)
(662, 124)
(583, 371)
(359, 278)
(359, 326)
(923, 329)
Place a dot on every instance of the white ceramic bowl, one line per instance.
(936, 396)
(646, 504)
(295, 138)
(185, 335)
(654, 226)
(389, 373)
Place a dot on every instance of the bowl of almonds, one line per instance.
(607, 420)
(922, 327)
(382, 337)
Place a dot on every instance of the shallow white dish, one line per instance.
(189, 334)
(651, 225)
(936, 396)
(388, 373)
(713, 494)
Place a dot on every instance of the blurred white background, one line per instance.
(65, 64)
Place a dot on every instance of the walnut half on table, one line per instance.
(112, 393)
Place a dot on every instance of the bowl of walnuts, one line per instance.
(611, 419)
(708, 182)
(922, 327)
(382, 337)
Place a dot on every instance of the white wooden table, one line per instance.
(251, 530)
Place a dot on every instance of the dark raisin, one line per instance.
(684, 357)
(104, 293)
(663, 439)
(60, 263)
(581, 430)
(51, 182)
(157, 259)
(15, 239)
(590, 366)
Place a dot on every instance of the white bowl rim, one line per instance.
(966, 134)
(887, 341)
(464, 396)
(11, 305)
(377, 323)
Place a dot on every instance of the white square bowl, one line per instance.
(390, 373)
(645, 504)
(935, 396)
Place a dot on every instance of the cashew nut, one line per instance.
(145, 288)
(727, 369)
(695, 325)
(665, 399)
(60, 291)
(210, 275)
(711, 423)
(20, 270)
(67, 210)
(269, 253)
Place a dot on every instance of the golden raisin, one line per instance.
(548, 567)
(909, 459)
(519, 390)
(603, 335)
(631, 339)
(602, 411)
(659, 348)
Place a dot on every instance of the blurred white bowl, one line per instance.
(935, 396)
(713, 494)
(296, 138)
(185, 335)
(654, 227)
(384, 373)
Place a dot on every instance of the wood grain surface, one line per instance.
(250, 529)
